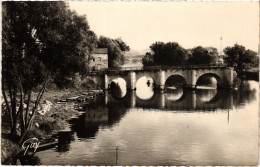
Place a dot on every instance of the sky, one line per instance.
(190, 24)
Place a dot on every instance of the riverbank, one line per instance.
(62, 106)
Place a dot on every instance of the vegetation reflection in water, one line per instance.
(186, 128)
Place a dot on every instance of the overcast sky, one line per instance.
(190, 24)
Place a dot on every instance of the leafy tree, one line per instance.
(170, 53)
(256, 61)
(123, 46)
(241, 58)
(41, 41)
(116, 49)
(202, 56)
(148, 59)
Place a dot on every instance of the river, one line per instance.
(174, 127)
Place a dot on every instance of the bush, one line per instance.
(35, 132)
(9, 150)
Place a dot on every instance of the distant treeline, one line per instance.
(173, 54)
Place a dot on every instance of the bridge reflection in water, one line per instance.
(108, 110)
(179, 99)
(175, 127)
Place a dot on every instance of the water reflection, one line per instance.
(82, 128)
(245, 94)
(183, 99)
(96, 115)
(206, 95)
(64, 140)
(174, 94)
(175, 127)
(107, 111)
(179, 99)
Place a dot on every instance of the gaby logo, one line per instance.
(32, 143)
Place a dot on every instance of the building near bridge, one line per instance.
(99, 60)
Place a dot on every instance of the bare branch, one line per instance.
(27, 107)
(37, 102)
(21, 107)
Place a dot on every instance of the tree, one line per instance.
(202, 56)
(122, 45)
(170, 53)
(41, 41)
(256, 61)
(116, 49)
(240, 58)
(148, 59)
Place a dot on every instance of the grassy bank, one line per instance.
(43, 126)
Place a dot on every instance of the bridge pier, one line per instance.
(161, 79)
(161, 100)
(191, 79)
(228, 75)
(227, 79)
(131, 80)
(191, 100)
(106, 81)
(106, 97)
(133, 99)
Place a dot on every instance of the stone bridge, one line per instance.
(223, 75)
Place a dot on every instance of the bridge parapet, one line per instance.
(154, 68)
(148, 68)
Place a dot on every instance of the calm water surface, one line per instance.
(174, 127)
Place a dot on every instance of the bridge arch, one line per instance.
(223, 76)
(142, 79)
(145, 88)
(117, 78)
(118, 87)
(148, 75)
(175, 80)
(219, 81)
